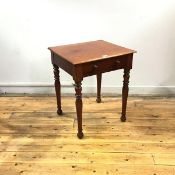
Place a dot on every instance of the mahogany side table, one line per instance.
(86, 59)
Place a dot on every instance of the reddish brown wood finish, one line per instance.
(86, 59)
(99, 75)
(57, 88)
(89, 51)
(79, 106)
(125, 90)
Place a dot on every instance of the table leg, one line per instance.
(79, 106)
(99, 75)
(125, 94)
(57, 88)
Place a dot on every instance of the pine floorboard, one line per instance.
(34, 140)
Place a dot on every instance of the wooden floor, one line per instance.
(34, 140)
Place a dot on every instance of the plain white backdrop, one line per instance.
(29, 27)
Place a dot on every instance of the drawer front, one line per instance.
(106, 65)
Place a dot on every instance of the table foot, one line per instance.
(80, 135)
(59, 112)
(98, 100)
(123, 118)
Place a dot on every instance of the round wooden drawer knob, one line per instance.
(95, 66)
(118, 61)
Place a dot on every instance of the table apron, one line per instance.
(106, 65)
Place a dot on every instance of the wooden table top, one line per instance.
(89, 51)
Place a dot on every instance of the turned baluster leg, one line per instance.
(99, 75)
(57, 88)
(125, 93)
(79, 106)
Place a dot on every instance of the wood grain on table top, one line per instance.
(89, 51)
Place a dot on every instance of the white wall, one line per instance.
(28, 27)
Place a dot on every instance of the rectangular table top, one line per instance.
(89, 51)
